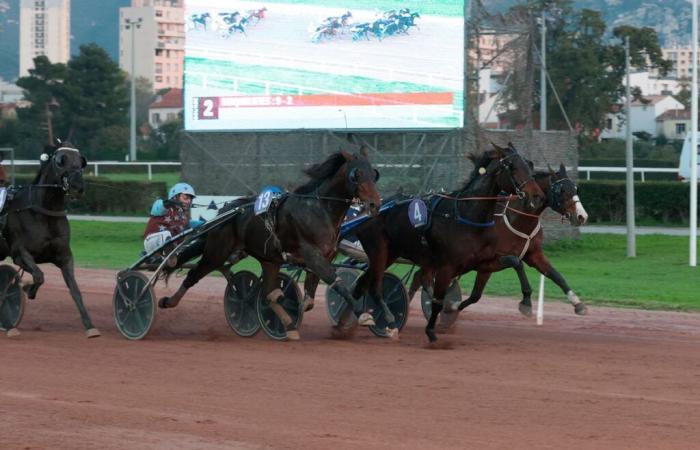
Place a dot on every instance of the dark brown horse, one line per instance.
(459, 231)
(302, 230)
(37, 229)
(519, 237)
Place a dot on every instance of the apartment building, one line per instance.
(158, 41)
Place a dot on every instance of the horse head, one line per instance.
(64, 167)
(562, 197)
(513, 174)
(361, 179)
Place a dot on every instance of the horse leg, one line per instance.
(214, 257)
(510, 261)
(539, 261)
(26, 262)
(68, 273)
(315, 262)
(443, 278)
(477, 290)
(422, 278)
(310, 284)
(274, 294)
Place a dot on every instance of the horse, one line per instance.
(37, 229)
(200, 19)
(238, 26)
(562, 197)
(321, 32)
(360, 31)
(301, 229)
(457, 231)
(518, 232)
(257, 14)
(407, 20)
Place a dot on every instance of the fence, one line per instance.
(640, 170)
(97, 164)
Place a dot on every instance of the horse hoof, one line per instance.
(392, 333)
(308, 305)
(293, 335)
(163, 303)
(581, 309)
(92, 333)
(448, 320)
(366, 320)
(12, 333)
(431, 336)
(525, 310)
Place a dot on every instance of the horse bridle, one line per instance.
(66, 175)
(555, 189)
(505, 164)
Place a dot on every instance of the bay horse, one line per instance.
(562, 197)
(302, 230)
(520, 238)
(459, 230)
(37, 229)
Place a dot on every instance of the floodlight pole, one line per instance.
(543, 76)
(133, 25)
(694, 144)
(631, 237)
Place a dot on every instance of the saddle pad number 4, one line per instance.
(418, 213)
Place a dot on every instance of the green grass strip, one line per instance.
(594, 266)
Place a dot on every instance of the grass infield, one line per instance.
(595, 267)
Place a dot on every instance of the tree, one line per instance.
(586, 66)
(95, 94)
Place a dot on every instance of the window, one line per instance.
(155, 118)
(159, 52)
(680, 128)
(159, 79)
(159, 13)
(608, 124)
(171, 116)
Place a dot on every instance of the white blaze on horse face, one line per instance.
(580, 211)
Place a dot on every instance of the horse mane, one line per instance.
(479, 160)
(321, 172)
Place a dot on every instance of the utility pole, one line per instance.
(631, 237)
(133, 25)
(543, 75)
(694, 144)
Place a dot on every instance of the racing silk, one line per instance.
(174, 219)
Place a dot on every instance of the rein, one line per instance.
(528, 237)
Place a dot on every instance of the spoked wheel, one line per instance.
(239, 303)
(452, 296)
(271, 324)
(134, 305)
(13, 295)
(335, 304)
(396, 299)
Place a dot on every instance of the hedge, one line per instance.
(655, 201)
(105, 196)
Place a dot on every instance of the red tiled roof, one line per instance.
(171, 99)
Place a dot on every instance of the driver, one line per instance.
(169, 218)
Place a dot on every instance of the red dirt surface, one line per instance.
(614, 379)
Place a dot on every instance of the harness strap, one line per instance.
(520, 234)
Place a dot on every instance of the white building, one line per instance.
(682, 58)
(159, 42)
(651, 85)
(165, 108)
(10, 92)
(643, 116)
(44, 29)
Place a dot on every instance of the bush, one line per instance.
(655, 201)
(104, 196)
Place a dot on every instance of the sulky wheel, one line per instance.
(335, 304)
(134, 305)
(12, 296)
(292, 304)
(396, 299)
(452, 296)
(239, 303)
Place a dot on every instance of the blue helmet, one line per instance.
(181, 188)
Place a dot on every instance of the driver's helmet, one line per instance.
(181, 188)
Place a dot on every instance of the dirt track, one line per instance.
(616, 379)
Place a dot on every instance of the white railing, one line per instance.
(640, 170)
(96, 164)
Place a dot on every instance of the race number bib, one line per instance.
(418, 213)
(264, 199)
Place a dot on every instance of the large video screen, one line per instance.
(324, 64)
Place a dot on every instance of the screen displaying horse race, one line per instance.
(324, 64)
